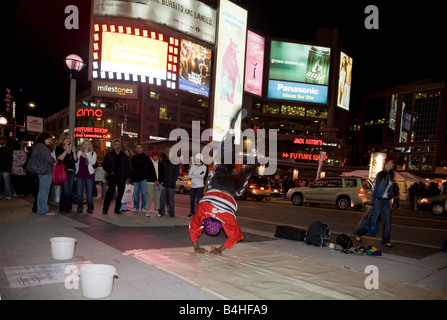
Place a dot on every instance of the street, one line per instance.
(414, 233)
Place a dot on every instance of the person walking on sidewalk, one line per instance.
(138, 176)
(380, 203)
(18, 172)
(85, 175)
(171, 174)
(5, 166)
(43, 149)
(197, 174)
(155, 176)
(66, 153)
(117, 165)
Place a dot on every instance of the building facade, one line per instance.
(409, 122)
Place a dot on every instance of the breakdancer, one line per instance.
(217, 208)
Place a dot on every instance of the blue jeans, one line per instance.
(42, 194)
(88, 183)
(6, 176)
(167, 197)
(140, 187)
(382, 208)
(66, 193)
(194, 197)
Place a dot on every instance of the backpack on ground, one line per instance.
(318, 234)
(344, 241)
(290, 233)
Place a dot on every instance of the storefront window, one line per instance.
(316, 112)
(427, 162)
(167, 113)
(293, 110)
(413, 163)
(401, 163)
(272, 109)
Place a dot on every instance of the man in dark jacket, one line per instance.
(117, 165)
(171, 173)
(139, 178)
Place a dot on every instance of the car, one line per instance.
(183, 185)
(434, 203)
(344, 192)
(257, 188)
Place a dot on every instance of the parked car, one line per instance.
(435, 204)
(183, 185)
(344, 192)
(257, 188)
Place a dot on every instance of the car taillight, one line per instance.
(361, 193)
(189, 183)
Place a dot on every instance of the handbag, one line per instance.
(128, 193)
(36, 165)
(59, 174)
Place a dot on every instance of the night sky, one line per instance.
(409, 45)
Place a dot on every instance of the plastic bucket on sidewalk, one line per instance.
(97, 280)
(62, 248)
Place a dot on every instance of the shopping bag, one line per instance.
(128, 193)
(59, 174)
(367, 224)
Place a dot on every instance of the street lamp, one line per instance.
(74, 64)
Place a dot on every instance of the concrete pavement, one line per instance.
(154, 261)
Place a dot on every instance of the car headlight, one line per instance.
(423, 200)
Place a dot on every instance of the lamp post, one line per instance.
(74, 64)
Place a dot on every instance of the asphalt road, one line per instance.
(414, 233)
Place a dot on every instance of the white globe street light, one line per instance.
(74, 64)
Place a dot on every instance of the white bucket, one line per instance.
(62, 248)
(97, 280)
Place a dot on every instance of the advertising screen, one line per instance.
(254, 63)
(189, 16)
(132, 54)
(304, 92)
(229, 69)
(299, 63)
(194, 68)
(344, 81)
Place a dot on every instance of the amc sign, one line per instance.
(97, 113)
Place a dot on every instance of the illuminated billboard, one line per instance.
(229, 68)
(123, 53)
(344, 81)
(254, 63)
(299, 63)
(298, 72)
(194, 68)
(134, 54)
(188, 16)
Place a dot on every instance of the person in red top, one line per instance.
(226, 181)
(221, 206)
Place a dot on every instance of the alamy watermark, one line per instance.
(254, 154)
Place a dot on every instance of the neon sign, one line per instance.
(97, 113)
(302, 156)
(314, 142)
(91, 132)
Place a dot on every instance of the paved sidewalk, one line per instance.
(154, 261)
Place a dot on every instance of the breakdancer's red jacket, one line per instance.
(220, 206)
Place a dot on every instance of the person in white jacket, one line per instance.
(85, 175)
(197, 174)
